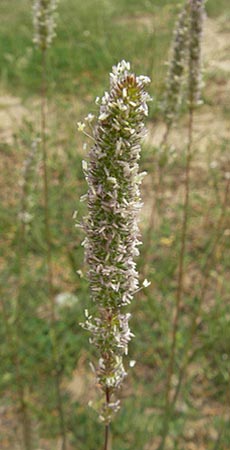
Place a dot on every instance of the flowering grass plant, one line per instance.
(195, 9)
(112, 235)
(44, 19)
(176, 67)
(182, 370)
(184, 67)
(196, 17)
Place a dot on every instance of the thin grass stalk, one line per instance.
(155, 208)
(46, 196)
(106, 446)
(23, 410)
(195, 23)
(46, 185)
(14, 332)
(24, 418)
(180, 284)
(44, 32)
(44, 15)
(222, 428)
(205, 271)
(146, 254)
(170, 106)
(107, 426)
(156, 203)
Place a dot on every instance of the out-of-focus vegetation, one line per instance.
(91, 37)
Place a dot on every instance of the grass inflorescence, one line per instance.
(91, 37)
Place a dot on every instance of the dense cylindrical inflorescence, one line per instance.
(177, 65)
(196, 16)
(112, 234)
(44, 19)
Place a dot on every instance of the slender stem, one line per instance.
(223, 425)
(106, 446)
(25, 419)
(60, 408)
(49, 251)
(107, 427)
(165, 135)
(203, 290)
(14, 333)
(180, 283)
(205, 271)
(155, 206)
(22, 408)
(46, 185)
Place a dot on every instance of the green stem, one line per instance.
(205, 271)
(155, 207)
(49, 251)
(180, 284)
(22, 404)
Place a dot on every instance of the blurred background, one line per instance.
(92, 36)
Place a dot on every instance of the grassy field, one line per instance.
(92, 36)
